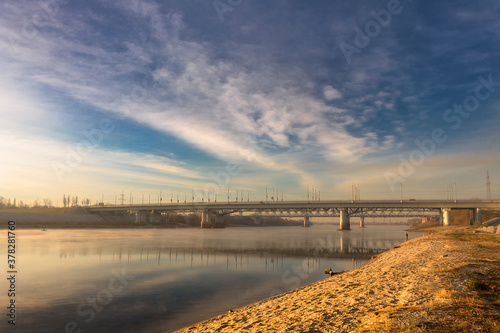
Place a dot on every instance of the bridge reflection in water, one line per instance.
(178, 276)
(211, 252)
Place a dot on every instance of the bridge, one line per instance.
(344, 210)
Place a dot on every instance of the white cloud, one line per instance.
(330, 93)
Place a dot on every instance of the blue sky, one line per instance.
(100, 97)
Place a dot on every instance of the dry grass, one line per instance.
(477, 238)
(37, 210)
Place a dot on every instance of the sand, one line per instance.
(422, 285)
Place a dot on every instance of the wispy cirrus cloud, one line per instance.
(212, 104)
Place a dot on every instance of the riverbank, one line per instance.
(79, 218)
(447, 281)
(62, 220)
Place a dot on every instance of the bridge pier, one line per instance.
(445, 216)
(219, 221)
(478, 218)
(306, 222)
(344, 220)
(361, 221)
(206, 219)
(155, 217)
(141, 216)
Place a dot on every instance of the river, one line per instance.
(159, 280)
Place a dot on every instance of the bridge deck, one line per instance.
(305, 205)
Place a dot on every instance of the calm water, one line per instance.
(162, 280)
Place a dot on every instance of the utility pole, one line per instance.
(401, 191)
(488, 186)
(455, 192)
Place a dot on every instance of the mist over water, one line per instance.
(161, 280)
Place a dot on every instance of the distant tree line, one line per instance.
(68, 201)
(8, 203)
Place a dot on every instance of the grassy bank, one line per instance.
(37, 210)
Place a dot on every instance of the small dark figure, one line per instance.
(406, 236)
(332, 273)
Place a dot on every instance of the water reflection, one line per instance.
(173, 277)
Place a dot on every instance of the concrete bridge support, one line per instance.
(361, 221)
(155, 217)
(306, 222)
(344, 220)
(141, 216)
(445, 213)
(219, 221)
(206, 219)
(478, 218)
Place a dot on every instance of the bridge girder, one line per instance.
(334, 212)
(319, 209)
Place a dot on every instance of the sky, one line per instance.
(99, 98)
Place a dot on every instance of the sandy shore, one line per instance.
(448, 281)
